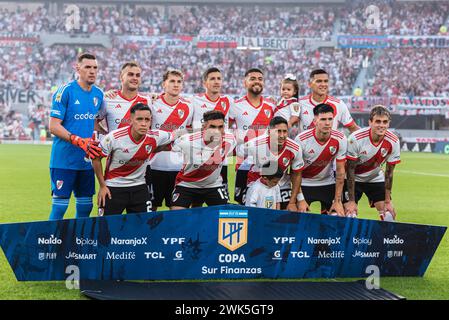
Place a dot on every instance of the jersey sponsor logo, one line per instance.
(59, 184)
(332, 150)
(77, 101)
(118, 106)
(204, 106)
(159, 111)
(85, 116)
(306, 112)
(56, 112)
(364, 152)
(311, 151)
(233, 228)
(245, 113)
(125, 150)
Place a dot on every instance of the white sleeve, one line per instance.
(341, 155)
(102, 112)
(346, 118)
(278, 194)
(298, 161)
(352, 152)
(106, 144)
(251, 196)
(163, 138)
(181, 144)
(395, 156)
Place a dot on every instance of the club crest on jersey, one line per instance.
(233, 228)
(175, 197)
(95, 101)
(332, 150)
(59, 184)
(223, 105)
(285, 161)
(148, 148)
(267, 113)
(181, 113)
(383, 152)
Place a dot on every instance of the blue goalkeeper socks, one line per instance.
(83, 207)
(58, 208)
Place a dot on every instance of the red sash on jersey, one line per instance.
(222, 106)
(127, 116)
(176, 117)
(322, 161)
(284, 103)
(127, 169)
(376, 160)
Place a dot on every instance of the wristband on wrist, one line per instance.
(300, 197)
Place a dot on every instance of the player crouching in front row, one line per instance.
(128, 150)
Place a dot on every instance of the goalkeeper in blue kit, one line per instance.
(72, 117)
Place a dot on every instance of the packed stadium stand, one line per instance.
(385, 49)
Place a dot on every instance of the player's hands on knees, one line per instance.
(337, 207)
(102, 194)
(390, 208)
(302, 206)
(351, 209)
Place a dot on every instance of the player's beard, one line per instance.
(255, 92)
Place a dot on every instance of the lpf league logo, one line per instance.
(233, 228)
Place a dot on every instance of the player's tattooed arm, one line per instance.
(388, 181)
(350, 179)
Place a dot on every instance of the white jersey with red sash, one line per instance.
(251, 122)
(202, 163)
(169, 118)
(127, 159)
(259, 152)
(318, 157)
(202, 103)
(370, 156)
(117, 111)
(286, 108)
(307, 104)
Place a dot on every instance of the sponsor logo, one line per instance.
(233, 228)
(125, 150)
(129, 242)
(300, 254)
(81, 256)
(51, 240)
(129, 255)
(245, 113)
(331, 255)
(395, 240)
(311, 151)
(395, 254)
(77, 101)
(86, 242)
(47, 256)
(155, 255)
(59, 184)
(118, 106)
(159, 111)
(363, 152)
(56, 112)
(85, 116)
(363, 254)
(203, 106)
(362, 241)
(332, 150)
(327, 241)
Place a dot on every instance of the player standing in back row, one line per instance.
(212, 99)
(72, 118)
(319, 85)
(170, 112)
(252, 115)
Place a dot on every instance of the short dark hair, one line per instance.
(322, 108)
(277, 120)
(129, 64)
(139, 107)
(86, 55)
(213, 115)
(271, 170)
(174, 72)
(209, 71)
(317, 71)
(253, 70)
(379, 110)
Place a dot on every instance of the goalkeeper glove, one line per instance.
(89, 145)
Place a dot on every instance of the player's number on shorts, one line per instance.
(149, 206)
(286, 195)
(223, 193)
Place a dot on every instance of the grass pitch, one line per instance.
(420, 192)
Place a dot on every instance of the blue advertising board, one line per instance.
(220, 242)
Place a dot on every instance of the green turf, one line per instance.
(420, 192)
